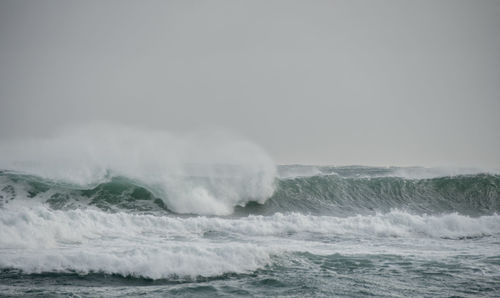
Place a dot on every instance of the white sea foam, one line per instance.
(203, 173)
(428, 173)
(181, 259)
(41, 227)
(298, 171)
(35, 238)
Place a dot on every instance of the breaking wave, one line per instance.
(203, 173)
(110, 200)
(334, 195)
(142, 245)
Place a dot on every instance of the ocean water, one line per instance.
(245, 230)
(108, 211)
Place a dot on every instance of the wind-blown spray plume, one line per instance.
(204, 173)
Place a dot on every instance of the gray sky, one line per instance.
(314, 82)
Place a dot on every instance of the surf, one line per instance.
(207, 172)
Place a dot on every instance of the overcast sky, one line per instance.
(312, 82)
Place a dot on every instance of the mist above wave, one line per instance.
(203, 173)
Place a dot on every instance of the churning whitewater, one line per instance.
(109, 211)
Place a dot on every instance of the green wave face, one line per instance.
(334, 195)
(117, 194)
(477, 194)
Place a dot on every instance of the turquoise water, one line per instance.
(325, 231)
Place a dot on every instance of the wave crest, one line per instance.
(203, 173)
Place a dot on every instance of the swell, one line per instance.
(474, 195)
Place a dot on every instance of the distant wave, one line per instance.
(298, 171)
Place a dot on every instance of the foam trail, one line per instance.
(39, 227)
(35, 238)
(203, 173)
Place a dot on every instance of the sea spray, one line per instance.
(203, 173)
(100, 211)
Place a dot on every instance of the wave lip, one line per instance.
(410, 173)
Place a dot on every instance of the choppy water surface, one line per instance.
(344, 231)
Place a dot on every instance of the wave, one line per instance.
(321, 195)
(336, 195)
(213, 173)
(35, 239)
(203, 173)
